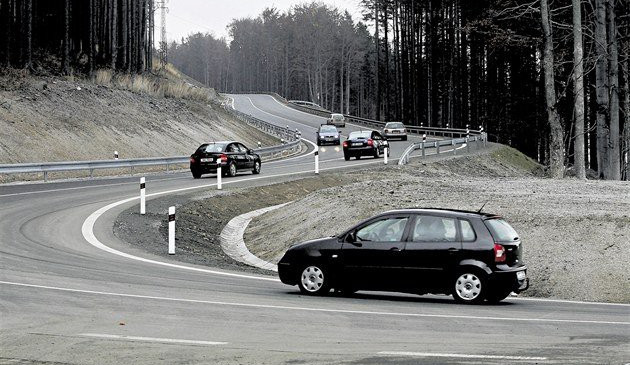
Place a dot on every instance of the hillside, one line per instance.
(49, 118)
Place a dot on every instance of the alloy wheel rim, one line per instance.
(232, 169)
(312, 279)
(257, 166)
(468, 286)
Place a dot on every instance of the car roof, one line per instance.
(443, 211)
(222, 142)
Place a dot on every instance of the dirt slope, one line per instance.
(56, 119)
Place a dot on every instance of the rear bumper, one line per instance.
(395, 135)
(359, 151)
(511, 279)
(207, 168)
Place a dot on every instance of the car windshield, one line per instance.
(394, 125)
(328, 129)
(337, 116)
(501, 230)
(357, 135)
(213, 147)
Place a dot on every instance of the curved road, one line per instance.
(64, 300)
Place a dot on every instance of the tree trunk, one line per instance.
(556, 145)
(613, 77)
(27, 54)
(626, 128)
(377, 72)
(578, 90)
(602, 89)
(65, 63)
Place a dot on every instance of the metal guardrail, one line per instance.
(290, 142)
(479, 140)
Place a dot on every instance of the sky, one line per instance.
(213, 16)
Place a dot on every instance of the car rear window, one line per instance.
(501, 230)
(213, 147)
(395, 125)
(354, 135)
(337, 116)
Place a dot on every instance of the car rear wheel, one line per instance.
(195, 174)
(377, 153)
(313, 280)
(231, 170)
(346, 157)
(256, 169)
(319, 143)
(470, 287)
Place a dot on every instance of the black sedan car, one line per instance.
(231, 156)
(328, 134)
(472, 256)
(365, 143)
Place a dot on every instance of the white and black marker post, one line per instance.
(219, 177)
(424, 140)
(171, 230)
(385, 156)
(259, 144)
(317, 162)
(142, 196)
(115, 155)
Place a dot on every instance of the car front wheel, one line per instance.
(256, 169)
(314, 280)
(470, 287)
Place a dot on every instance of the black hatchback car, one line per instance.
(364, 143)
(231, 156)
(469, 255)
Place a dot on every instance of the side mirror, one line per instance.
(250, 152)
(351, 237)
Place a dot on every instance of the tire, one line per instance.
(404, 138)
(319, 143)
(256, 168)
(195, 174)
(358, 157)
(346, 157)
(377, 153)
(231, 170)
(470, 286)
(314, 280)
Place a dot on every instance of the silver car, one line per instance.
(338, 120)
(395, 130)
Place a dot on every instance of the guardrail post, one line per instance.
(45, 176)
(91, 173)
(142, 196)
(171, 230)
(437, 147)
(219, 177)
(167, 167)
(316, 162)
(454, 147)
(467, 145)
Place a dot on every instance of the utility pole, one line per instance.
(161, 4)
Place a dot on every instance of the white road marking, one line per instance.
(462, 356)
(321, 310)
(151, 339)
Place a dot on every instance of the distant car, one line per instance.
(337, 120)
(364, 143)
(328, 134)
(395, 130)
(472, 256)
(230, 155)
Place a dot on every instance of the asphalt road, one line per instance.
(64, 300)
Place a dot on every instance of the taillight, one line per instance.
(499, 253)
(345, 143)
(370, 143)
(223, 158)
(192, 160)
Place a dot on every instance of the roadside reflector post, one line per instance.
(219, 187)
(385, 157)
(467, 144)
(171, 230)
(142, 196)
(423, 152)
(316, 162)
(115, 155)
(454, 147)
(437, 147)
(259, 144)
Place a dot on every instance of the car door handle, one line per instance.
(394, 249)
(453, 250)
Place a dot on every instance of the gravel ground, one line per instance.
(575, 233)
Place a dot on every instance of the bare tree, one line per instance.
(614, 152)
(578, 85)
(556, 147)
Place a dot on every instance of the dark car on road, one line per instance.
(469, 255)
(232, 156)
(364, 143)
(328, 134)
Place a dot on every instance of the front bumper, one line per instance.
(287, 273)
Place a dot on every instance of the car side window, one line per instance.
(242, 148)
(376, 136)
(384, 230)
(434, 229)
(468, 233)
(232, 148)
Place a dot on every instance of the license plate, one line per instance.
(395, 131)
(357, 144)
(521, 275)
(207, 160)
